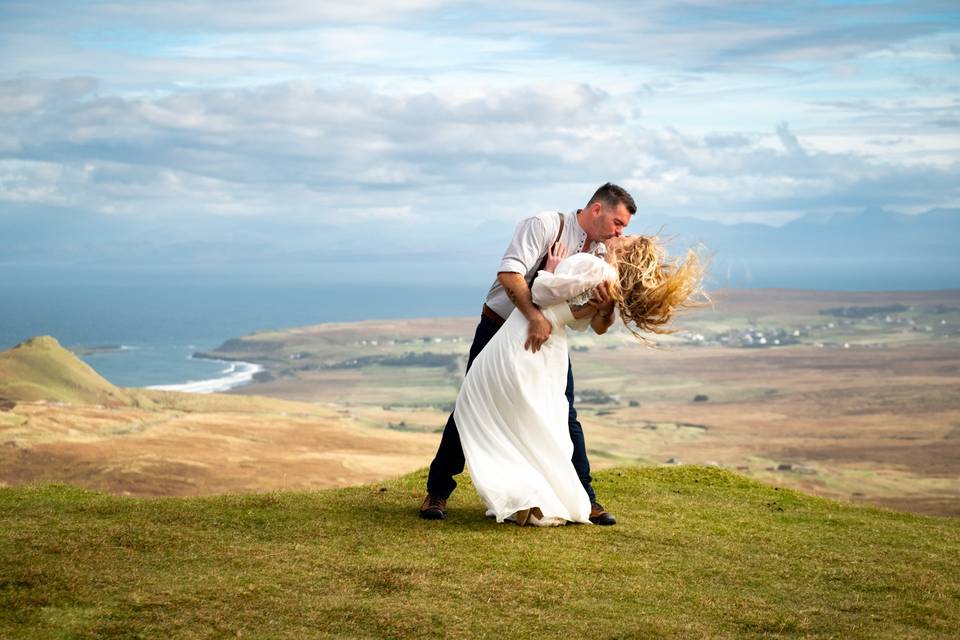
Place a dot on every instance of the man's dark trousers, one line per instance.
(449, 459)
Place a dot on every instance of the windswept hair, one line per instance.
(652, 287)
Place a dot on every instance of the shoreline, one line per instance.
(237, 374)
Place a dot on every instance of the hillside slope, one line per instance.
(699, 552)
(40, 369)
(61, 422)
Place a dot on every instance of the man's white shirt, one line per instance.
(531, 240)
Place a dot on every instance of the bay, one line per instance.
(155, 327)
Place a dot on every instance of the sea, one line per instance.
(145, 334)
(142, 329)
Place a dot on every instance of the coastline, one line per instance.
(237, 374)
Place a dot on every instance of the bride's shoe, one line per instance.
(522, 517)
(528, 516)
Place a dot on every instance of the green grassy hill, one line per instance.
(40, 369)
(699, 552)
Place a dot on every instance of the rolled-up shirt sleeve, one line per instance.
(526, 247)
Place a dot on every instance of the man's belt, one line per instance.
(493, 315)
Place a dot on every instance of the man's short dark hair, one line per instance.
(610, 195)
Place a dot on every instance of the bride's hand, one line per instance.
(603, 301)
(555, 255)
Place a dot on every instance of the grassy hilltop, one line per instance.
(40, 369)
(699, 552)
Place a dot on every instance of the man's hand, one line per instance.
(516, 287)
(538, 332)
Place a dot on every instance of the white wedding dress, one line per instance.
(511, 412)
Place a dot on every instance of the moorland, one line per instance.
(854, 396)
(286, 509)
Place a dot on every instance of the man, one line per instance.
(606, 215)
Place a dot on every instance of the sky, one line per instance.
(427, 119)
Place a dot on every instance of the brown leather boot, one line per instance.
(433, 508)
(599, 515)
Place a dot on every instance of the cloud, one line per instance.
(448, 113)
(31, 183)
(920, 112)
(719, 35)
(789, 141)
(192, 40)
(27, 95)
(757, 180)
(353, 153)
(299, 147)
(207, 14)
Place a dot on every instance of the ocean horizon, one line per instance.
(145, 335)
(144, 332)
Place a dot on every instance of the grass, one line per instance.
(699, 552)
(40, 369)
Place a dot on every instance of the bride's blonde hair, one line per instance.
(652, 287)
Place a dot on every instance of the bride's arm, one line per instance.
(604, 307)
(577, 274)
(599, 309)
(583, 310)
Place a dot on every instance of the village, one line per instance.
(848, 328)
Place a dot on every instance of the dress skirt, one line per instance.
(512, 415)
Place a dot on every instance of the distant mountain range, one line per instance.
(869, 235)
(873, 249)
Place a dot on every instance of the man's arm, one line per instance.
(519, 293)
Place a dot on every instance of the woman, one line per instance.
(512, 412)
